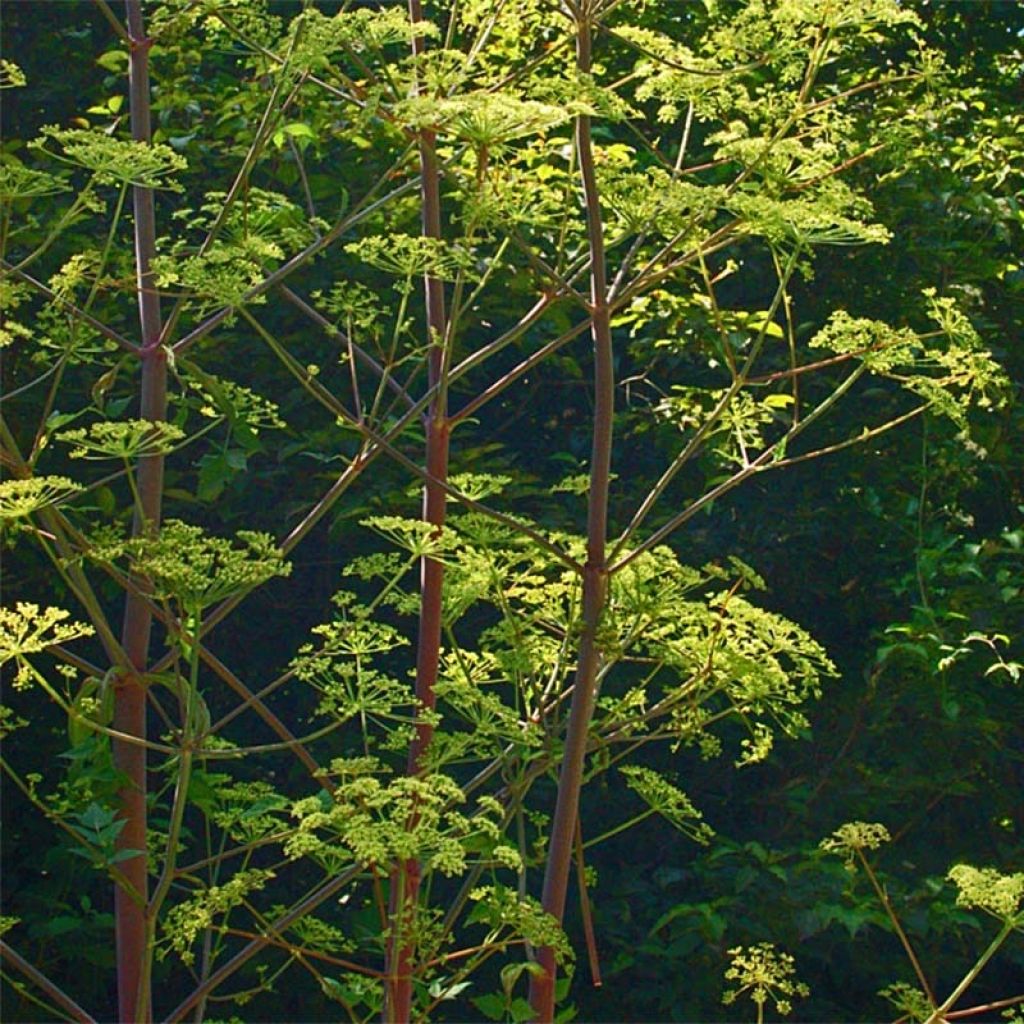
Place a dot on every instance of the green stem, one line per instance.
(178, 806)
(643, 816)
(969, 977)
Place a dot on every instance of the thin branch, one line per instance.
(270, 111)
(585, 914)
(289, 740)
(300, 951)
(302, 258)
(79, 314)
(850, 441)
(999, 1004)
(330, 402)
(360, 352)
(884, 900)
(243, 956)
(506, 379)
(54, 991)
(595, 571)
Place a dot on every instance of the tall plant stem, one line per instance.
(595, 571)
(405, 878)
(130, 698)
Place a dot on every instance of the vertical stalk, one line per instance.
(405, 878)
(595, 571)
(130, 695)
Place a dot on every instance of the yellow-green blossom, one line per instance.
(854, 836)
(188, 565)
(122, 439)
(762, 973)
(19, 498)
(988, 890)
(28, 629)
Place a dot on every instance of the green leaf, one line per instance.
(216, 471)
(121, 855)
(440, 990)
(491, 1006)
(114, 60)
(59, 925)
(295, 130)
(520, 1010)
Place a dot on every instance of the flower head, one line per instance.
(985, 888)
(763, 973)
(20, 498)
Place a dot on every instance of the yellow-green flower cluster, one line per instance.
(854, 836)
(504, 910)
(319, 41)
(375, 822)
(757, 746)
(485, 119)
(187, 565)
(20, 182)
(987, 889)
(411, 256)
(20, 498)
(669, 801)
(188, 920)
(116, 161)
(908, 1000)
(122, 439)
(28, 629)
(11, 76)
(762, 972)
